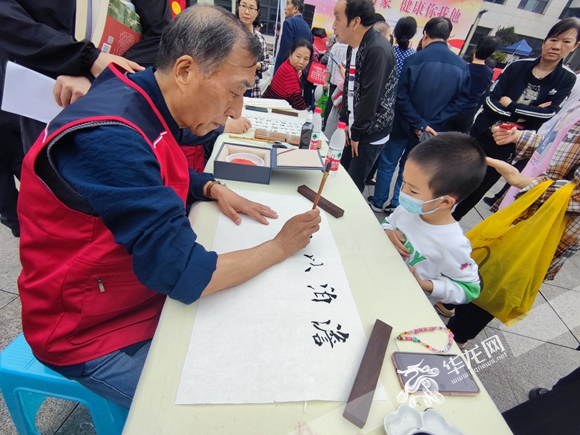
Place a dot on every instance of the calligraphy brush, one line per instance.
(324, 177)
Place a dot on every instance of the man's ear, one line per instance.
(185, 70)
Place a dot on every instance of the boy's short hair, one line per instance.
(455, 161)
(485, 47)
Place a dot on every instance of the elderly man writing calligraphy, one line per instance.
(104, 233)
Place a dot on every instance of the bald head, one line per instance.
(206, 33)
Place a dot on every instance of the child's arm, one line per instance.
(459, 280)
(395, 236)
(425, 284)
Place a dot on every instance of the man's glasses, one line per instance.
(248, 8)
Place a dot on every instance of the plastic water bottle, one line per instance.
(335, 148)
(306, 133)
(317, 121)
(315, 141)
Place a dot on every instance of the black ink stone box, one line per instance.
(274, 158)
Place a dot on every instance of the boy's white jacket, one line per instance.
(442, 255)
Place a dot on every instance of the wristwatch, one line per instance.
(209, 186)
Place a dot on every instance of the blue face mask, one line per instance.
(414, 205)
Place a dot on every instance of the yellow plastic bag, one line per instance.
(513, 259)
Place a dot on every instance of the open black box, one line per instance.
(274, 158)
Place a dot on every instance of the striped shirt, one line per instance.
(264, 62)
(286, 85)
(350, 90)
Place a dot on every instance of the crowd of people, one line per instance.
(449, 130)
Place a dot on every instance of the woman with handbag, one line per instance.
(527, 242)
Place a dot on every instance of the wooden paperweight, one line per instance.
(323, 203)
(362, 393)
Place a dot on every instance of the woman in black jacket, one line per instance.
(528, 93)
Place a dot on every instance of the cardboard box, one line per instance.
(275, 158)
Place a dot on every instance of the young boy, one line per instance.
(439, 173)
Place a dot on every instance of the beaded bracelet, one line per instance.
(406, 336)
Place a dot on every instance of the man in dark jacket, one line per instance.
(294, 28)
(370, 84)
(433, 86)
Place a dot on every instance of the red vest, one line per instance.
(80, 297)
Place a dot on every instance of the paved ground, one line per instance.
(540, 349)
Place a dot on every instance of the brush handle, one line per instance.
(324, 177)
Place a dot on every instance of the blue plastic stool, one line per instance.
(26, 383)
